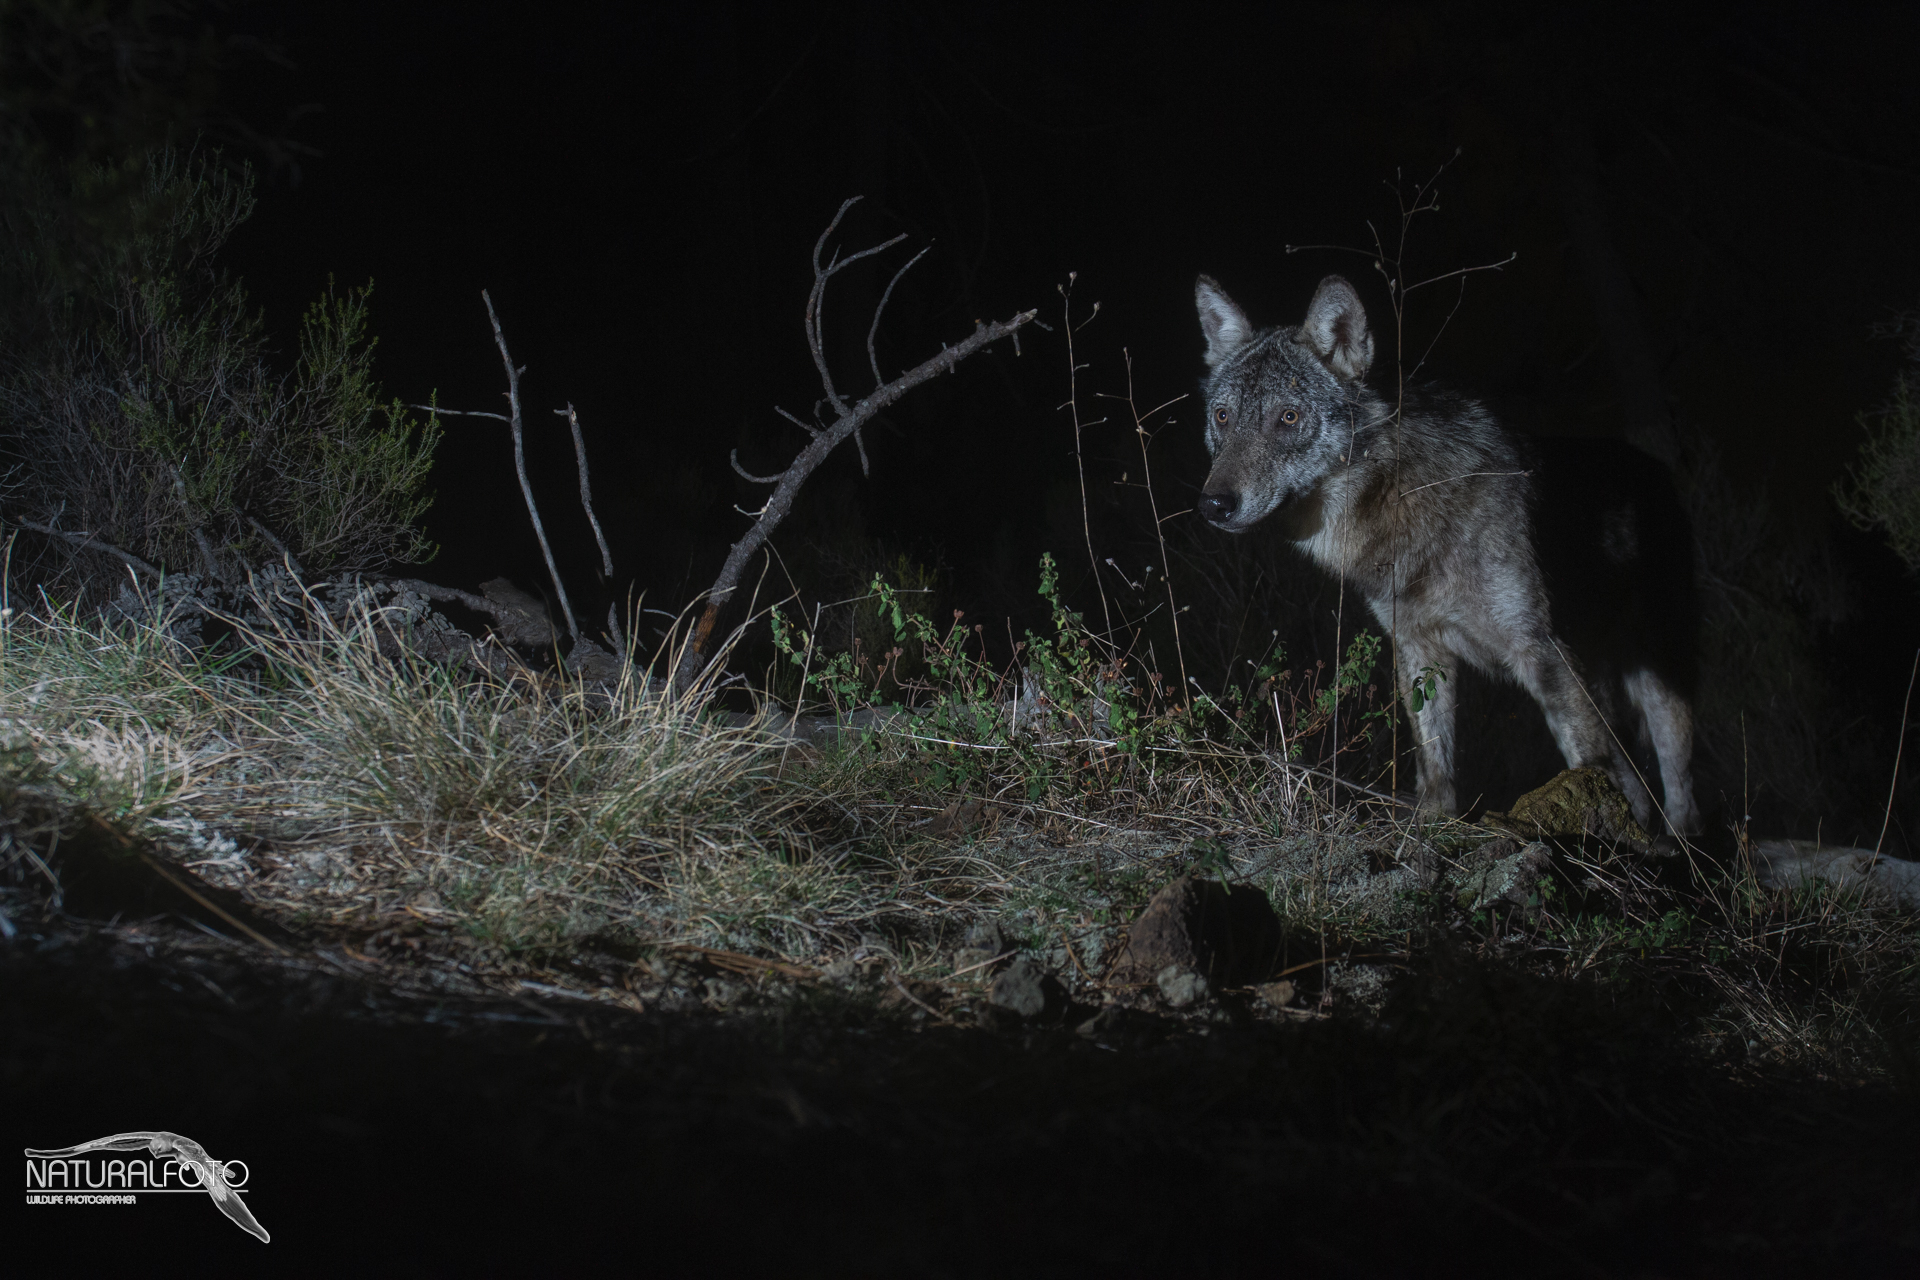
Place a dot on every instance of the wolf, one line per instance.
(1566, 565)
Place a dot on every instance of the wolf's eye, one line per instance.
(1289, 416)
(1220, 415)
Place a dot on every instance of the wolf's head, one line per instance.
(1281, 404)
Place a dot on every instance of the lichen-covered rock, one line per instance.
(1576, 804)
(1027, 989)
(1180, 987)
(1503, 870)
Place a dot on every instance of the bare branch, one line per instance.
(586, 500)
(520, 461)
(207, 559)
(87, 542)
(878, 311)
(1464, 475)
(1464, 271)
(586, 493)
(462, 413)
(293, 565)
(817, 297)
(807, 427)
(748, 476)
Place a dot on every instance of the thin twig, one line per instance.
(874, 328)
(586, 491)
(293, 565)
(87, 542)
(520, 463)
(807, 427)
(462, 413)
(1465, 475)
(1079, 460)
(586, 500)
(1893, 786)
(748, 476)
(1153, 504)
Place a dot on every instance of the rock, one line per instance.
(1027, 989)
(595, 666)
(1784, 864)
(1180, 987)
(1576, 804)
(1228, 936)
(519, 617)
(988, 936)
(1276, 995)
(1502, 870)
(985, 943)
(1362, 985)
(841, 971)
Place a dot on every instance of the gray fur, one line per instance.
(1453, 532)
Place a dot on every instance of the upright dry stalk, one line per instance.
(520, 463)
(1079, 460)
(586, 500)
(1153, 505)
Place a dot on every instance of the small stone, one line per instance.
(1277, 995)
(1180, 987)
(1027, 989)
(841, 970)
(985, 943)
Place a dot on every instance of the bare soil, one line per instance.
(402, 1109)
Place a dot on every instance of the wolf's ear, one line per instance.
(1224, 323)
(1336, 330)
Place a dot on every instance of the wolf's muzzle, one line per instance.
(1219, 508)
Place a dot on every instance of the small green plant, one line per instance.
(1425, 688)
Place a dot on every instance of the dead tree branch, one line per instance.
(848, 420)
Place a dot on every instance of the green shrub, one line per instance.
(1882, 491)
(139, 403)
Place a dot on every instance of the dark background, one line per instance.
(639, 187)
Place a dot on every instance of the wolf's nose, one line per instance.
(1218, 508)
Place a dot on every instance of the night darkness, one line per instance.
(639, 188)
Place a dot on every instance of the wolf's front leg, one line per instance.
(1427, 681)
(1579, 716)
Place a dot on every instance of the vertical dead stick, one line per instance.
(586, 500)
(520, 463)
(848, 419)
